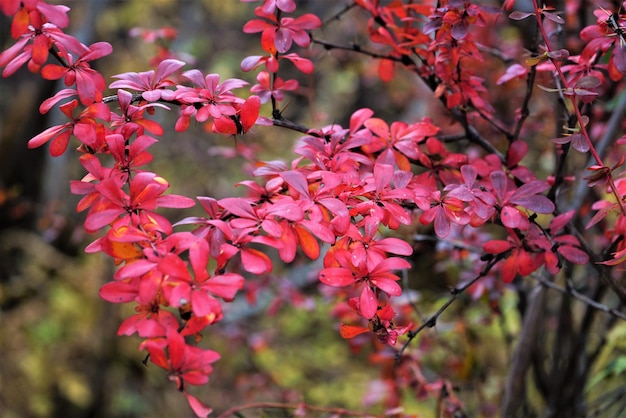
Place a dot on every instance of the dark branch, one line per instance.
(585, 299)
(431, 321)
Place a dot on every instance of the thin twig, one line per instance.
(278, 405)
(431, 321)
(284, 123)
(452, 137)
(494, 124)
(405, 283)
(339, 14)
(474, 136)
(355, 48)
(585, 299)
(612, 127)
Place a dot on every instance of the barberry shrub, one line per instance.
(511, 178)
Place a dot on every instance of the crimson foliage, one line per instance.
(347, 185)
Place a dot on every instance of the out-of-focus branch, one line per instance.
(585, 299)
(610, 135)
(431, 321)
(515, 383)
(235, 411)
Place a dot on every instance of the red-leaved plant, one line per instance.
(348, 187)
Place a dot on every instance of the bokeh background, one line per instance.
(59, 355)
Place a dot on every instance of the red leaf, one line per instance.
(249, 113)
(387, 285)
(297, 180)
(59, 144)
(386, 70)
(238, 206)
(46, 136)
(496, 246)
(517, 151)
(389, 264)
(225, 285)
(302, 64)
(53, 72)
(320, 231)
(256, 25)
(99, 218)
(395, 246)
(508, 269)
(135, 269)
(442, 223)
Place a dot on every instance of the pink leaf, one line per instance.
(200, 409)
(336, 276)
(225, 285)
(388, 286)
(297, 180)
(512, 218)
(517, 15)
(256, 262)
(118, 292)
(559, 222)
(517, 151)
(573, 254)
(368, 304)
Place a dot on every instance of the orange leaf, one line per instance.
(351, 331)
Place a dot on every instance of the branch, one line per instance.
(474, 136)
(514, 386)
(613, 126)
(530, 83)
(297, 406)
(284, 123)
(585, 299)
(431, 321)
(355, 48)
(494, 124)
(579, 117)
(605, 402)
(339, 14)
